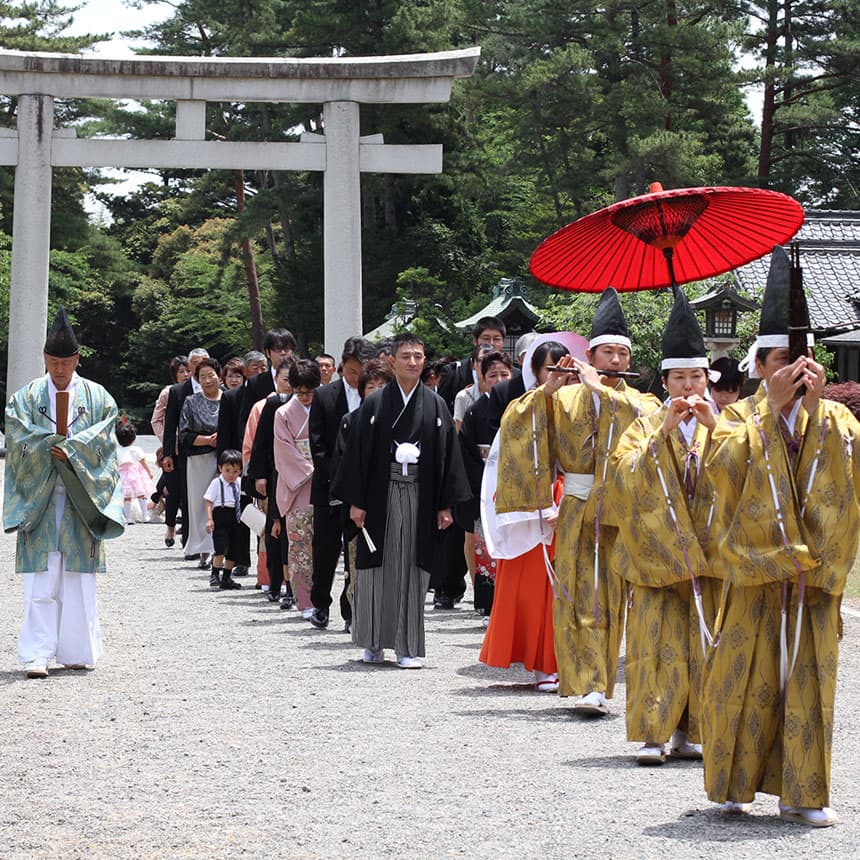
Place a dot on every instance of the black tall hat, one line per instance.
(773, 323)
(609, 325)
(61, 341)
(683, 344)
(774, 304)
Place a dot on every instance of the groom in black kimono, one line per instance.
(402, 474)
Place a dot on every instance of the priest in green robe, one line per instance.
(63, 498)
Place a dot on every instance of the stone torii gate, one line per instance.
(340, 84)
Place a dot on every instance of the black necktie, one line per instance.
(235, 490)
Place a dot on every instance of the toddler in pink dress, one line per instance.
(133, 471)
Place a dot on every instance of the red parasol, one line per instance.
(666, 238)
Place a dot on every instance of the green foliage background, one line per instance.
(573, 106)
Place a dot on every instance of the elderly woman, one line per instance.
(198, 436)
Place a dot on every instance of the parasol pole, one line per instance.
(668, 253)
(798, 313)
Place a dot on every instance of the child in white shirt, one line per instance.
(222, 518)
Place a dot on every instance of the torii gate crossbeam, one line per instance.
(341, 84)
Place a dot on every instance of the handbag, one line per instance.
(254, 518)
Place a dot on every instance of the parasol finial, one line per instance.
(654, 187)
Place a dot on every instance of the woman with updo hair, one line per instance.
(294, 468)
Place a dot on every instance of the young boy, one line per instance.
(222, 517)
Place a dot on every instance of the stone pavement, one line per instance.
(217, 726)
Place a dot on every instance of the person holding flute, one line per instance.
(578, 427)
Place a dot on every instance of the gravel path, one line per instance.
(217, 726)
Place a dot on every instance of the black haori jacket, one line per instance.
(364, 474)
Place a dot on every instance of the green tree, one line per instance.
(809, 62)
(192, 296)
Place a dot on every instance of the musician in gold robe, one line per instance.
(662, 499)
(578, 428)
(786, 465)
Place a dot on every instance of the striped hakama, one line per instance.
(388, 609)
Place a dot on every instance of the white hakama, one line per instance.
(61, 617)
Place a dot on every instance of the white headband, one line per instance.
(683, 363)
(691, 363)
(767, 341)
(618, 339)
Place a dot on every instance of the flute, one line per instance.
(615, 374)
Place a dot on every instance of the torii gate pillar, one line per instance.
(31, 245)
(342, 224)
(341, 84)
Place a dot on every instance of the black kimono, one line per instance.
(475, 431)
(364, 474)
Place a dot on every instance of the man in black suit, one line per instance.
(261, 470)
(331, 402)
(278, 345)
(231, 432)
(174, 459)
(231, 429)
(449, 573)
(459, 374)
(475, 440)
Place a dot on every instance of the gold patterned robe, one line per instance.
(572, 435)
(753, 741)
(656, 555)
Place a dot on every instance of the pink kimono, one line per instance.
(295, 468)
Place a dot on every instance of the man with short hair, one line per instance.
(279, 344)
(475, 441)
(449, 574)
(173, 459)
(327, 367)
(459, 374)
(63, 498)
(331, 402)
(401, 476)
(255, 363)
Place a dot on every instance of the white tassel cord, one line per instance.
(600, 512)
(786, 664)
(705, 635)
